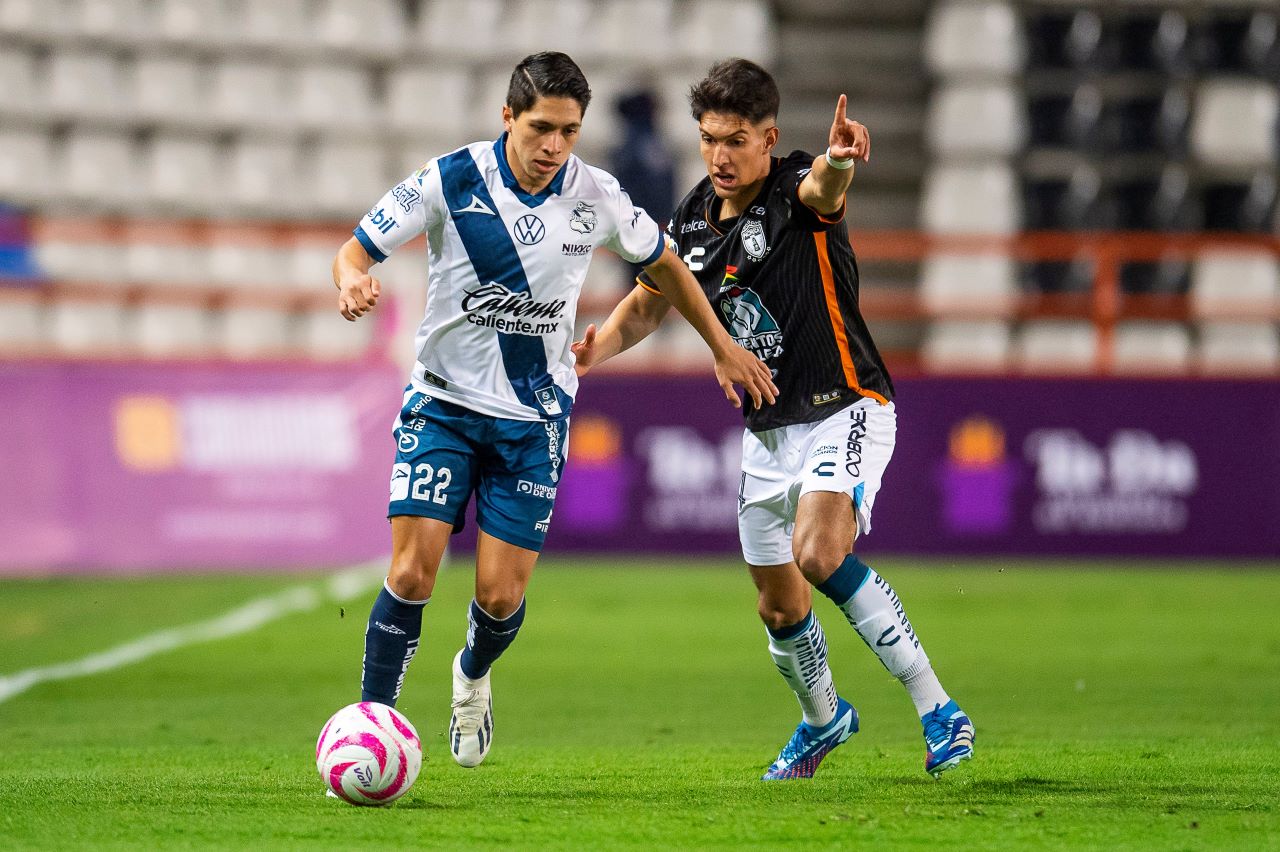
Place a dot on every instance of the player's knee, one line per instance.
(500, 602)
(818, 559)
(410, 578)
(777, 616)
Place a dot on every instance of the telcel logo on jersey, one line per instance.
(749, 321)
(489, 305)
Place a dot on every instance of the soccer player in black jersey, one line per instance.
(766, 239)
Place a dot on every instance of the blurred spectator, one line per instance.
(642, 162)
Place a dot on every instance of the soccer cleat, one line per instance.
(948, 738)
(471, 728)
(801, 755)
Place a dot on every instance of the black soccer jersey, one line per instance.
(784, 282)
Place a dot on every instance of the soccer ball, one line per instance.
(368, 754)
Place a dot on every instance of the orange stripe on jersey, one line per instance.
(837, 321)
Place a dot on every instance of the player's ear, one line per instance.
(508, 118)
(771, 138)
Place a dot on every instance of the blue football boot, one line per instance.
(948, 738)
(801, 755)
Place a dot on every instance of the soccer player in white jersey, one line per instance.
(766, 238)
(511, 226)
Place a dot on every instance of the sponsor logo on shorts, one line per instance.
(420, 403)
(553, 451)
(400, 482)
(853, 446)
(537, 489)
(408, 442)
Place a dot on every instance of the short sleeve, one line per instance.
(408, 209)
(643, 278)
(637, 238)
(794, 170)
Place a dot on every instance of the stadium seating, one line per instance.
(1152, 347)
(163, 330)
(975, 38)
(87, 327)
(967, 346)
(1234, 123)
(26, 167)
(1057, 346)
(1235, 284)
(1239, 347)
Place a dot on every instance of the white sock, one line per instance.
(802, 661)
(876, 612)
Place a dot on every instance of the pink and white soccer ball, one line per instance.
(368, 754)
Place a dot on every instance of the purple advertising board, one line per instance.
(1101, 467)
(162, 467)
(158, 467)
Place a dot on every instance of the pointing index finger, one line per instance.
(841, 103)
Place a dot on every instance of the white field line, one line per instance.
(242, 619)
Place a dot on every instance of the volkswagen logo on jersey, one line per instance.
(753, 239)
(530, 230)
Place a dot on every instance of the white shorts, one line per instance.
(846, 453)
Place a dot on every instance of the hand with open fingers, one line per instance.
(737, 366)
(584, 351)
(849, 139)
(357, 295)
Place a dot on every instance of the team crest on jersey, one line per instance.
(747, 319)
(753, 239)
(583, 218)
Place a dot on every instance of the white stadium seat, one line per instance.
(87, 327)
(183, 173)
(368, 26)
(22, 322)
(966, 346)
(253, 331)
(17, 82)
(1057, 346)
(168, 88)
(95, 261)
(1234, 123)
(279, 23)
(1236, 283)
(453, 26)
(430, 100)
(974, 38)
(618, 22)
(346, 179)
(1151, 347)
(310, 262)
(978, 120)
(82, 83)
(26, 165)
(98, 169)
(984, 285)
(198, 22)
(250, 93)
(702, 30)
(534, 25)
(33, 17)
(118, 20)
(334, 97)
(166, 330)
(263, 177)
(247, 256)
(977, 199)
(325, 335)
(1240, 348)
(159, 253)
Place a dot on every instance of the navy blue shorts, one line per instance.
(445, 452)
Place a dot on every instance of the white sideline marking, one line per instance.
(250, 616)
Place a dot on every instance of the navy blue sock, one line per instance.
(845, 581)
(487, 638)
(390, 641)
(791, 631)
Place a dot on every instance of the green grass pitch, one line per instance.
(1116, 707)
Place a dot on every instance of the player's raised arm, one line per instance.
(636, 317)
(824, 187)
(358, 291)
(734, 365)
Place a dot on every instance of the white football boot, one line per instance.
(471, 728)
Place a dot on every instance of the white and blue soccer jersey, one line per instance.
(506, 268)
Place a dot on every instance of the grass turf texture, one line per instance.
(1115, 708)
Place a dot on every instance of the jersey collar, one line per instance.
(509, 178)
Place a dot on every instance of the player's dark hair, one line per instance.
(547, 75)
(737, 87)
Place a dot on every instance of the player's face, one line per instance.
(541, 139)
(736, 152)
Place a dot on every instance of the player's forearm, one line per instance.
(636, 317)
(681, 289)
(824, 188)
(351, 260)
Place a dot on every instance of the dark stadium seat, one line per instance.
(1058, 276)
(1071, 39)
(1248, 206)
(1078, 204)
(1156, 43)
(1241, 41)
(1164, 203)
(1163, 278)
(1161, 121)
